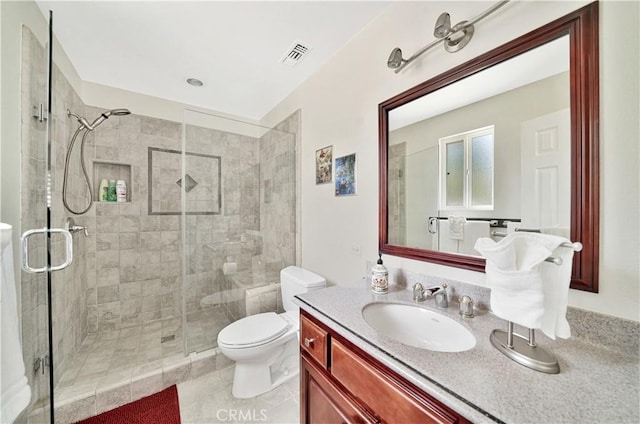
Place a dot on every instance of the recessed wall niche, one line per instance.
(110, 171)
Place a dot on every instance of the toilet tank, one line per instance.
(295, 280)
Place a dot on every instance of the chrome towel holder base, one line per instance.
(524, 351)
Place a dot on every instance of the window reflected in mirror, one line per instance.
(466, 170)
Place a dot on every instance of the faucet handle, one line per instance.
(418, 292)
(466, 307)
(71, 226)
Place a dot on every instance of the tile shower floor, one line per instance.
(109, 359)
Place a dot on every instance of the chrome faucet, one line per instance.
(420, 294)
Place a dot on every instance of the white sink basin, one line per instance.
(418, 327)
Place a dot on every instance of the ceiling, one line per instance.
(234, 47)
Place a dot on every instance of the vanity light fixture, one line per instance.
(454, 38)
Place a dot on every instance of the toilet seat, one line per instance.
(253, 331)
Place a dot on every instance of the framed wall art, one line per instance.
(346, 175)
(324, 162)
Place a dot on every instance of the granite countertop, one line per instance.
(596, 384)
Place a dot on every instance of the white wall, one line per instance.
(339, 107)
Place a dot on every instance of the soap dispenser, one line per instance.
(379, 277)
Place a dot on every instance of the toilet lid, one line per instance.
(253, 330)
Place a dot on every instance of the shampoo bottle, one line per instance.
(103, 190)
(111, 191)
(379, 278)
(121, 191)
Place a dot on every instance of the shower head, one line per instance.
(395, 58)
(100, 119)
(443, 26)
(118, 112)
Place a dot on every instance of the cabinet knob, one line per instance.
(309, 341)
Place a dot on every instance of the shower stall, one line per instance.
(208, 221)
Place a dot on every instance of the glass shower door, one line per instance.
(43, 249)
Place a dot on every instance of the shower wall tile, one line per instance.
(107, 241)
(131, 307)
(106, 224)
(129, 223)
(109, 311)
(149, 223)
(107, 294)
(129, 257)
(129, 240)
(108, 276)
(152, 256)
(129, 291)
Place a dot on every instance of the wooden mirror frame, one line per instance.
(582, 28)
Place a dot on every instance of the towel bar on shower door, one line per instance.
(524, 350)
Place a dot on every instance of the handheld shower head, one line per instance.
(395, 58)
(100, 119)
(118, 112)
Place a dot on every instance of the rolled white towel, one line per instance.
(525, 289)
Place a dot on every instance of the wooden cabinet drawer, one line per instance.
(314, 340)
(324, 402)
(382, 392)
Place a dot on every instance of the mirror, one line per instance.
(461, 151)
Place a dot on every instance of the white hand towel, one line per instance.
(446, 243)
(456, 227)
(15, 393)
(525, 289)
(556, 280)
(473, 230)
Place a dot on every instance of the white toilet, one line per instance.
(265, 346)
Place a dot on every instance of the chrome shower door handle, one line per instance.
(432, 225)
(68, 247)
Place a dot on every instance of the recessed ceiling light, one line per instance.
(195, 82)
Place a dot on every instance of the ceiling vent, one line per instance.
(295, 53)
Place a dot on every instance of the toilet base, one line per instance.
(255, 378)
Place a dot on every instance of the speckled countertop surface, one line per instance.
(595, 385)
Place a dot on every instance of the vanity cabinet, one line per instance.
(339, 383)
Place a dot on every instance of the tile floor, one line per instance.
(208, 399)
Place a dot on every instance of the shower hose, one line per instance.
(84, 171)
